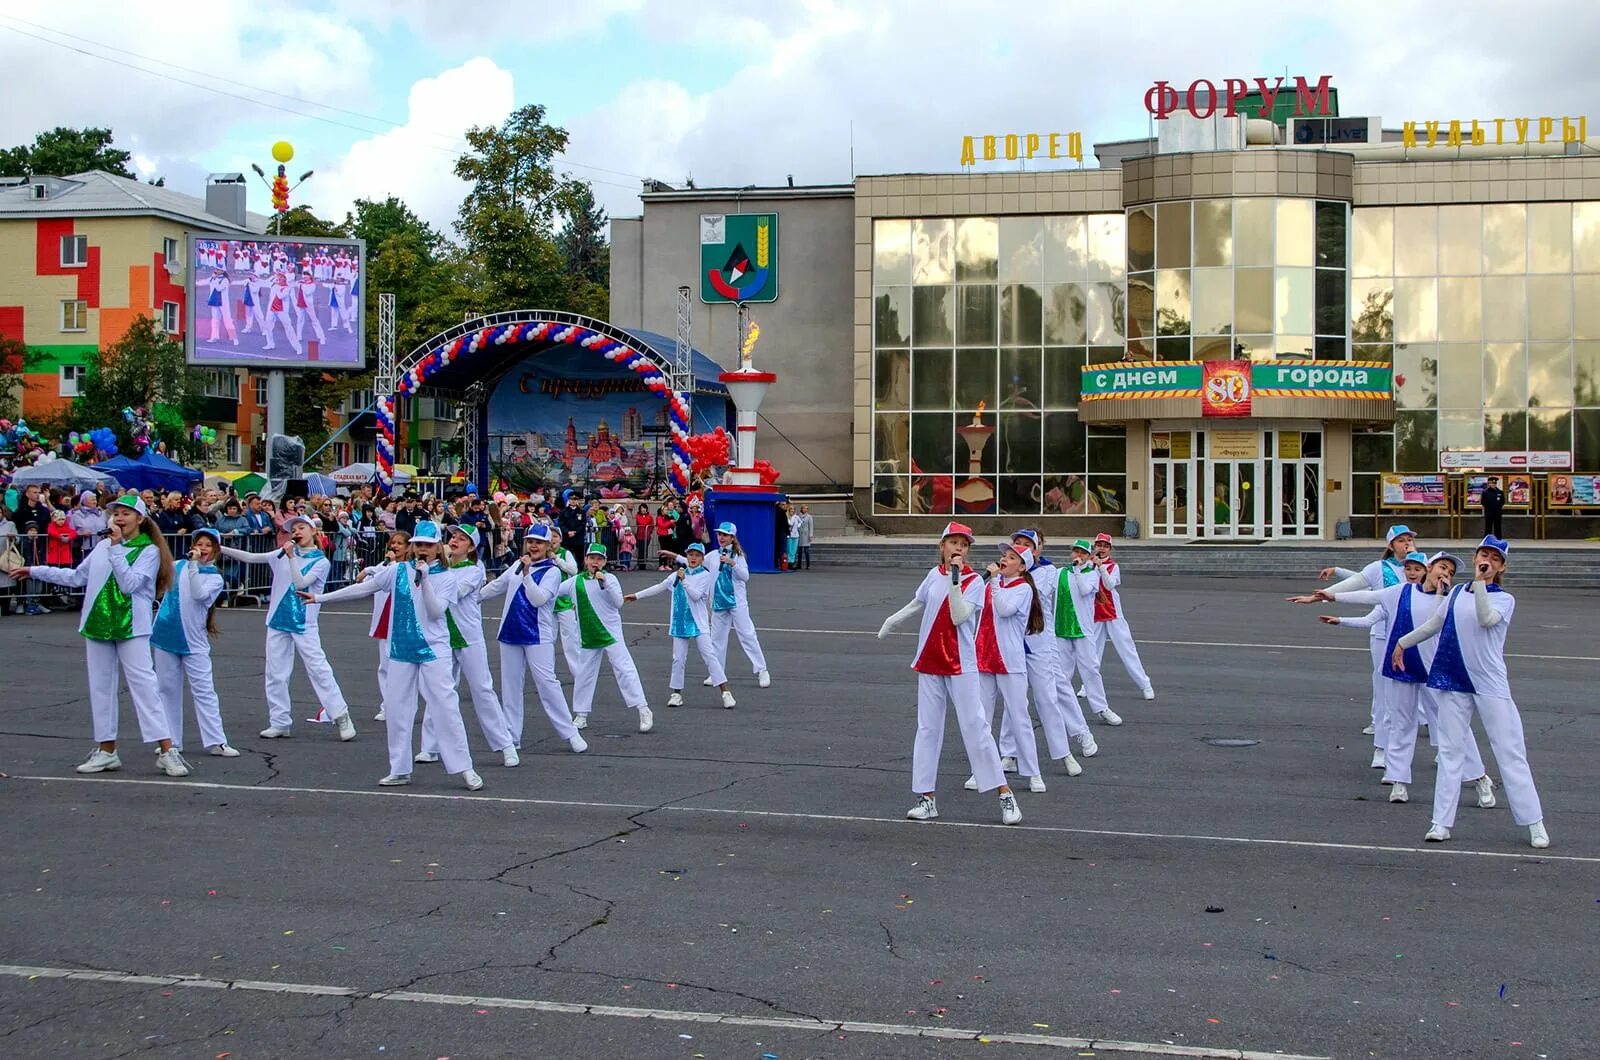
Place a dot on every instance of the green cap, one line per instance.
(596, 549)
(1083, 543)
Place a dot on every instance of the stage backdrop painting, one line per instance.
(563, 418)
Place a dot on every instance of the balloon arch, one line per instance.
(466, 356)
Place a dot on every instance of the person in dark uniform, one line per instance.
(1493, 500)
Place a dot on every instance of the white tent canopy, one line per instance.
(61, 473)
(361, 474)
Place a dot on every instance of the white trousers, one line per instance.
(708, 655)
(588, 675)
(1012, 690)
(133, 658)
(435, 681)
(383, 661)
(1473, 766)
(567, 634)
(1080, 656)
(1121, 638)
(1380, 712)
(1057, 725)
(281, 650)
(1503, 725)
(935, 695)
(170, 672)
(471, 664)
(1405, 706)
(518, 660)
(738, 620)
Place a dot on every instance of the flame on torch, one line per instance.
(977, 417)
(750, 338)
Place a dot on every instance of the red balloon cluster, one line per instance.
(707, 451)
(768, 473)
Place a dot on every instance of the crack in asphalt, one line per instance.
(889, 943)
(73, 1010)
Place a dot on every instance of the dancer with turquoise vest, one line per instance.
(690, 586)
(184, 628)
(398, 549)
(419, 656)
(470, 655)
(597, 599)
(730, 604)
(121, 578)
(298, 568)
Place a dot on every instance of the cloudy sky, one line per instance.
(374, 94)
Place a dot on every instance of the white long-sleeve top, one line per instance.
(1043, 644)
(1003, 625)
(380, 603)
(180, 625)
(1373, 576)
(303, 571)
(736, 568)
(697, 585)
(465, 610)
(1108, 601)
(530, 592)
(605, 598)
(1388, 605)
(946, 647)
(136, 579)
(431, 600)
(1471, 626)
(1084, 584)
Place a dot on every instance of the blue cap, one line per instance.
(1416, 557)
(1031, 535)
(1396, 530)
(1437, 556)
(539, 532)
(728, 528)
(206, 531)
(1499, 544)
(695, 546)
(298, 518)
(425, 533)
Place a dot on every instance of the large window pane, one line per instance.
(1550, 237)
(1213, 232)
(1293, 303)
(1172, 235)
(1019, 379)
(1460, 430)
(1066, 248)
(1416, 236)
(1213, 301)
(1019, 494)
(933, 251)
(1105, 313)
(1505, 374)
(1063, 376)
(1107, 453)
(892, 379)
(1021, 249)
(1172, 302)
(1505, 238)
(1586, 302)
(1416, 309)
(1303, 347)
(1297, 230)
(1586, 237)
(1372, 310)
(1416, 377)
(1066, 315)
(932, 379)
(981, 444)
(1250, 348)
(1141, 238)
(891, 316)
(1065, 443)
(1550, 374)
(1586, 373)
(1505, 307)
(1460, 240)
(1505, 429)
(976, 316)
(1416, 442)
(1374, 450)
(1586, 439)
(1219, 348)
(1252, 231)
(1019, 443)
(1107, 494)
(1550, 307)
(1141, 314)
(933, 443)
(890, 494)
(933, 316)
(1550, 429)
(892, 442)
(1372, 242)
(1252, 300)
(1331, 235)
(1460, 376)
(977, 249)
(1107, 246)
(891, 251)
(1021, 315)
(1460, 309)
(1331, 301)
(975, 378)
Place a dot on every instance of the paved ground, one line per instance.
(742, 883)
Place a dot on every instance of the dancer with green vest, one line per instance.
(597, 606)
(566, 618)
(1077, 636)
(121, 579)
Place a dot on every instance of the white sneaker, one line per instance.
(1485, 788)
(1150, 693)
(580, 721)
(347, 727)
(1108, 717)
(272, 732)
(1437, 833)
(926, 809)
(1010, 812)
(1368, 731)
(1009, 764)
(647, 720)
(1036, 785)
(971, 783)
(510, 757)
(728, 701)
(578, 745)
(675, 700)
(426, 758)
(172, 764)
(1072, 766)
(1083, 693)
(101, 762)
(1087, 747)
(1377, 758)
(1398, 793)
(380, 716)
(395, 780)
(709, 683)
(764, 679)
(222, 750)
(1537, 836)
(471, 779)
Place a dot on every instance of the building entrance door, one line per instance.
(1294, 506)
(1232, 506)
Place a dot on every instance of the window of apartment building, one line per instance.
(363, 453)
(222, 383)
(341, 453)
(169, 249)
(171, 320)
(260, 384)
(74, 252)
(75, 315)
(233, 448)
(72, 376)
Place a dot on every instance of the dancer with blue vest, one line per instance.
(948, 603)
(1077, 633)
(597, 599)
(1010, 613)
(299, 567)
(121, 578)
(398, 549)
(730, 604)
(419, 657)
(691, 586)
(1062, 720)
(181, 637)
(528, 637)
(1469, 673)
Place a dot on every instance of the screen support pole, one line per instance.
(275, 402)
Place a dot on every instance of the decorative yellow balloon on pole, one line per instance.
(282, 151)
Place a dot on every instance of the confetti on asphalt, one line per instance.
(1114, 991)
(211, 894)
(1042, 1026)
(1214, 909)
(1452, 1004)
(288, 932)
(481, 1011)
(1502, 991)
(1212, 1019)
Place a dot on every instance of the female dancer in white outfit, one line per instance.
(121, 578)
(1059, 713)
(1010, 613)
(1077, 634)
(690, 586)
(399, 548)
(181, 637)
(1469, 672)
(948, 602)
(597, 601)
(730, 605)
(1113, 621)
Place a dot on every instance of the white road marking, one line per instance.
(895, 1030)
(1432, 850)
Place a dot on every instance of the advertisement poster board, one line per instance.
(1413, 491)
(1575, 491)
(1518, 490)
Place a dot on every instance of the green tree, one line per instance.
(15, 359)
(143, 368)
(583, 237)
(307, 398)
(63, 151)
(302, 221)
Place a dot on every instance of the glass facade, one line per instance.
(980, 328)
(1491, 316)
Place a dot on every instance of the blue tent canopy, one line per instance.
(150, 471)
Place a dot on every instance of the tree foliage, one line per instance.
(62, 152)
(143, 368)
